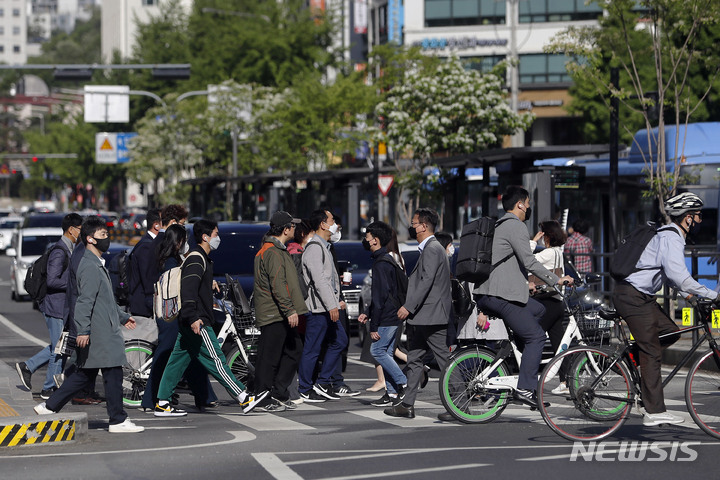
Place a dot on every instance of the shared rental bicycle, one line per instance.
(478, 382)
(603, 384)
(238, 337)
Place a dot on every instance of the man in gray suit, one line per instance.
(505, 293)
(426, 308)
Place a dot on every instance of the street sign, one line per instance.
(112, 147)
(384, 183)
(107, 104)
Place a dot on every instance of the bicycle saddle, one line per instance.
(609, 314)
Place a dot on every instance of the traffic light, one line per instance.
(34, 159)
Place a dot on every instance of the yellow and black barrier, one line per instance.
(51, 429)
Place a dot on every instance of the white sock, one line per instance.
(163, 403)
(243, 396)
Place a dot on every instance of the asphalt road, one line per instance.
(345, 439)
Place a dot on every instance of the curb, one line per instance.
(45, 429)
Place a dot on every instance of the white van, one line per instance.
(28, 244)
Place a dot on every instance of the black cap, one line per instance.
(280, 218)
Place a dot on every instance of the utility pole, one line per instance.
(517, 139)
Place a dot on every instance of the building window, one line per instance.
(16, 12)
(149, 3)
(16, 48)
(16, 30)
(2, 48)
(443, 13)
(2, 12)
(558, 11)
(543, 68)
(482, 64)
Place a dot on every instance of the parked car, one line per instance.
(8, 226)
(28, 245)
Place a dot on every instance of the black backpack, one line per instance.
(474, 260)
(624, 260)
(36, 278)
(119, 270)
(401, 280)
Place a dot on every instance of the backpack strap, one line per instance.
(311, 284)
(497, 224)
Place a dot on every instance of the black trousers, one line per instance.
(80, 379)
(647, 322)
(279, 352)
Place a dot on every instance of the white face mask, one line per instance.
(185, 249)
(451, 250)
(334, 227)
(214, 243)
(336, 236)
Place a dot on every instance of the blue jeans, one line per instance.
(383, 350)
(319, 326)
(47, 355)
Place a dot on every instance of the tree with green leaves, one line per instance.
(667, 54)
(445, 111)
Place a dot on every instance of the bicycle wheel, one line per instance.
(702, 393)
(585, 368)
(242, 370)
(585, 412)
(136, 371)
(464, 396)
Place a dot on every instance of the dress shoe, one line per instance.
(403, 410)
(446, 417)
(85, 401)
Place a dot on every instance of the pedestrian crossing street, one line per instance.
(309, 417)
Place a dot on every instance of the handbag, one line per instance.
(65, 344)
(557, 270)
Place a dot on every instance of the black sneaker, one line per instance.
(289, 404)
(384, 401)
(167, 410)
(326, 391)
(312, 397)
(397, 400)
(25, 374)
(45, 394)
(345, 391)
(273, 406)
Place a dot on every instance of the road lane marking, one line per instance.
(275, 467)
(417, 422)
(266, 422)
(237, 437)
(14, 328)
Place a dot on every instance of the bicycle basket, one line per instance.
(592, 326)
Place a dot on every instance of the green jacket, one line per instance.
(277, 291)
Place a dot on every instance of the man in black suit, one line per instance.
(143, 270)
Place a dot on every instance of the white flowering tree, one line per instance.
(444, 111)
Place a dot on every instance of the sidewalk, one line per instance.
(20, 425)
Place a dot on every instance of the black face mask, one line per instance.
(412, 232)
(528, 213)
(694, 229)
(366, 244)
(102, 244)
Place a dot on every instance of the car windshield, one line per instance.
(37, 245)
(354, 253)
(43, 221)
(236, 254)
(9, 223)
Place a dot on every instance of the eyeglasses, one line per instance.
(699, 215)
(415, 224)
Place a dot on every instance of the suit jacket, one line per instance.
(143, 275)
(429, 295)
(509, 280)
(97, 315)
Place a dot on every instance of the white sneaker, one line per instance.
(126, 427)
(654, 419)
(41, 409)
(251, 401)
(561, 389)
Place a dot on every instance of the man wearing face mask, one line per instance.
(100, 343)
(196, 339)
(505, 293)
(662, 261)
(143, 272)
(427, 307)
(54, 306)
(324, 304)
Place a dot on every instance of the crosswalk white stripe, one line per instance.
(418, 422)
(267, 422)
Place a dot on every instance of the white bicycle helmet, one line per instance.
(682, 203)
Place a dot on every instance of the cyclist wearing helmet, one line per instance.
(662, 261)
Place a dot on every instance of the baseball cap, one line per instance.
(282, 218)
